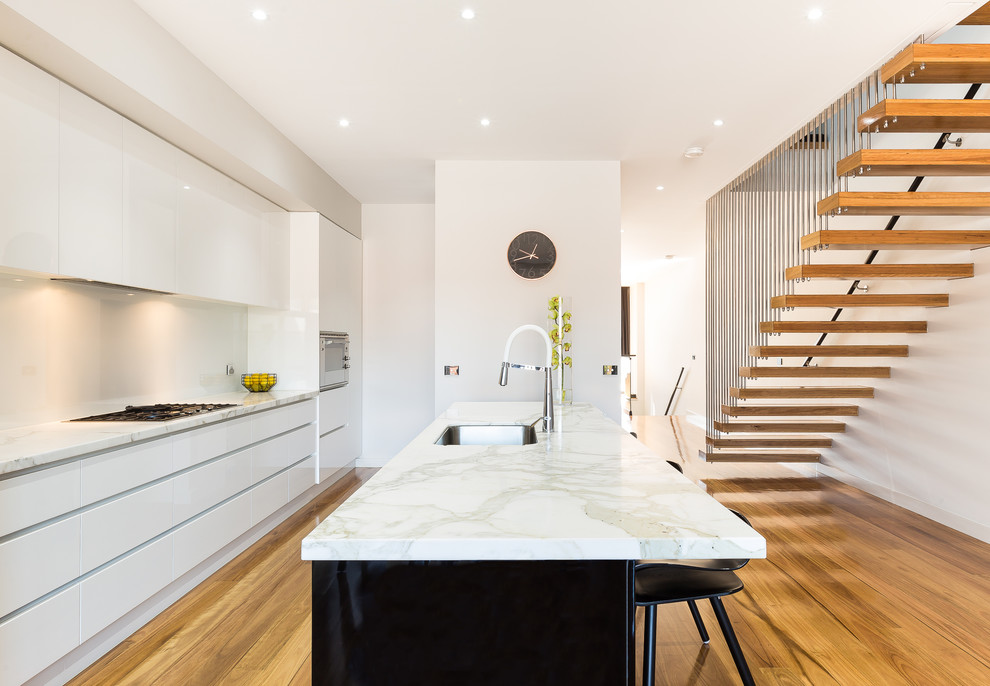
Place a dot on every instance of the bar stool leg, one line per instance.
(697, 621)
(649, 645)
(730, 638)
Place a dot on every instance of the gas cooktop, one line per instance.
(155, 413)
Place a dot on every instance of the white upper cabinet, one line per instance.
(340, 280)
(150, 189)
(225, 248)
(90, 186)
(28, 166)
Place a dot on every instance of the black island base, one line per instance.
(477, 623)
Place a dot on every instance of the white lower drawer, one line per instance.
(34, 639)
(199, 539)
(37, 563)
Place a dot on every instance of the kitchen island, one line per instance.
(504, 564)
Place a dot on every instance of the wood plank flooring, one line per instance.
(855, 592)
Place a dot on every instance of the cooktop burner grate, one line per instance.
(155, 413)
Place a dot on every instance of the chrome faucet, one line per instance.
(503, 378)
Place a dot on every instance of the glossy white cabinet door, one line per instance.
(334, 409)
(34, 639)
(114, 528)
(202, 537)
(220, 236)
(90, 216)
(112, 592)
(32, 498)
(283, 419)
(117, 471)
(302, 476)
(208, 442)
(333, 454)
(150, 188)
(268, 497)
(28, 166)
(38, 562)
(208, 485)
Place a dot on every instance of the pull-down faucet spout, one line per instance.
(503, 378)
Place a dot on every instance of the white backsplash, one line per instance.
(68, 350)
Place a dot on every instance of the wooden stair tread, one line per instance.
(926, 116)
(782, 426)
(851, 239)
(804, 441)
(762, 456)
(873, 203)
(844, 327)
(828, 350)
(815, 372)
(880, 271)
(790, 410)
(939, 63)
(862, 300)
(979, 17)
(801, 392)
(879, 162)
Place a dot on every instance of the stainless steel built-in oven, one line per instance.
(334, 359)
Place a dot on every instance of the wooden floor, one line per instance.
(856, 591)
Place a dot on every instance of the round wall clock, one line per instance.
(531, 255)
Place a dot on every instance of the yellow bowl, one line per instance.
(259, 383)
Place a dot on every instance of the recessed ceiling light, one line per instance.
(694, 151)
(467, 13)
(185, 188)
(344, 123)
(815, 14)
(486, 122)
(659, 188)
(18, 280)
(260, 14)
(718, 122)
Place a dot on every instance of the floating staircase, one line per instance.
(756, 431)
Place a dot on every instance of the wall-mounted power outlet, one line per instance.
(610, 369)
(452, 370)
(230, 369)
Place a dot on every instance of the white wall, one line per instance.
(398, 327)
(72, 350)
(674, 337)
(480, 207)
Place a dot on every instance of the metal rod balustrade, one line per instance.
(753, 233)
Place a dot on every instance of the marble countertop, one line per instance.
(40, 444)
(589, 491)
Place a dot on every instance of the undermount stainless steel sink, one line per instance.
(488, 434)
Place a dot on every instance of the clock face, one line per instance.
(531, 255)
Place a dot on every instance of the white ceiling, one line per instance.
(633, 80)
